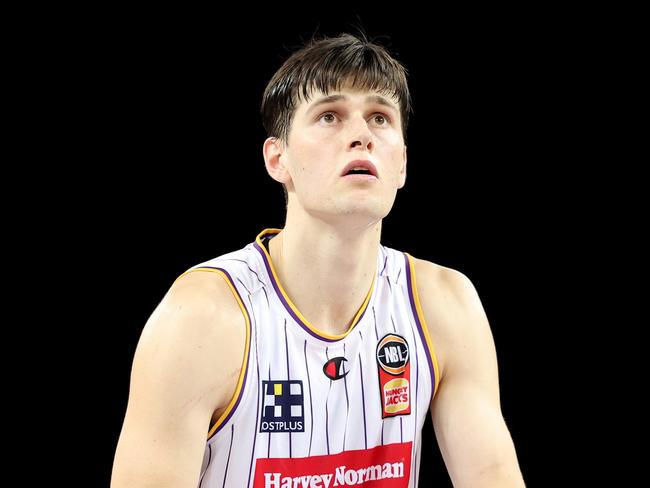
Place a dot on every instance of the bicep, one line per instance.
(466, 411)
(174, 391)
(471, 433)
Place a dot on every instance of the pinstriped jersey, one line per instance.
(316, 410)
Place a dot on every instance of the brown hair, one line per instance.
(326, 64)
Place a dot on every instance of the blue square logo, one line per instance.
(283, 406)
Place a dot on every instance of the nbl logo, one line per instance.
(393, 354)
(282, 406)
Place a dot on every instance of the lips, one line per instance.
(360, 163)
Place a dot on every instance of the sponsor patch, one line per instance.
(394, 375)
(386, 466)
(283, 406)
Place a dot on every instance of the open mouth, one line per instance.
(360, 169)
(358, 172)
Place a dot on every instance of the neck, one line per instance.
(326, 270)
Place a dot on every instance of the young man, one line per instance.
(311, 356)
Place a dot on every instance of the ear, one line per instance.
(402, 172)
(273, 150)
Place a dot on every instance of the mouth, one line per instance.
(360, 169)
(360, 177)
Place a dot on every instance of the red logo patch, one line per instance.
(380, 467)
(333, 368)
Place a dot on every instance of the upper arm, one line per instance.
(177, 382)
(466, 412)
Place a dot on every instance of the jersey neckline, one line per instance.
(290, 306)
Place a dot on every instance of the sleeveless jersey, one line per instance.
(316, 410)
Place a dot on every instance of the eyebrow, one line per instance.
(337, 98)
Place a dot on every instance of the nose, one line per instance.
(362, 136)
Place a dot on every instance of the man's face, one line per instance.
(327, 133)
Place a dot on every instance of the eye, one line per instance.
(327, 117)
(380, 119)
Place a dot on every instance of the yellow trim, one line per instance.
(293, 307)
(425, 327)
(242, 373)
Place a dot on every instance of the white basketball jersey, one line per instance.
(315, 410)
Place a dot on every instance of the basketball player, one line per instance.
(310, 357)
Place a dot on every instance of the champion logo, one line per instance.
(334, 368)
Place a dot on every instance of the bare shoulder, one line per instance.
(189, 350)
(199, 329)
(451, 306)
(198, 306)
(445, 284)
(204, 295)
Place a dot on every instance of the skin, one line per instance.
(333, 225)
(179, 387)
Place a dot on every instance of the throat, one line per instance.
(319, 293)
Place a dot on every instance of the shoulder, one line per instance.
(199, 302)
(451, 306)
(193, 340)
(440, 283)
(189, 349)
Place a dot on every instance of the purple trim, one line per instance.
(242, 284)
(208, 465)
(246, 263)
(311, 405)
(417, 386)
(377, 336)
(268, 449)
(250, 341)
(417, 380)
(415, 467)
(288, 307)
(286, 343)
(375, 318)
(327, 417)
(347, 401)
(419, 325)
(384, 268)
(268, 304)
(232, 436)
(363, 401)
(257, 410)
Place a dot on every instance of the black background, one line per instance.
(167, 127)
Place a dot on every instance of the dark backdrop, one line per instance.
(170, 134)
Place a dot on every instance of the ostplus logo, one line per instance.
(282, 406)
